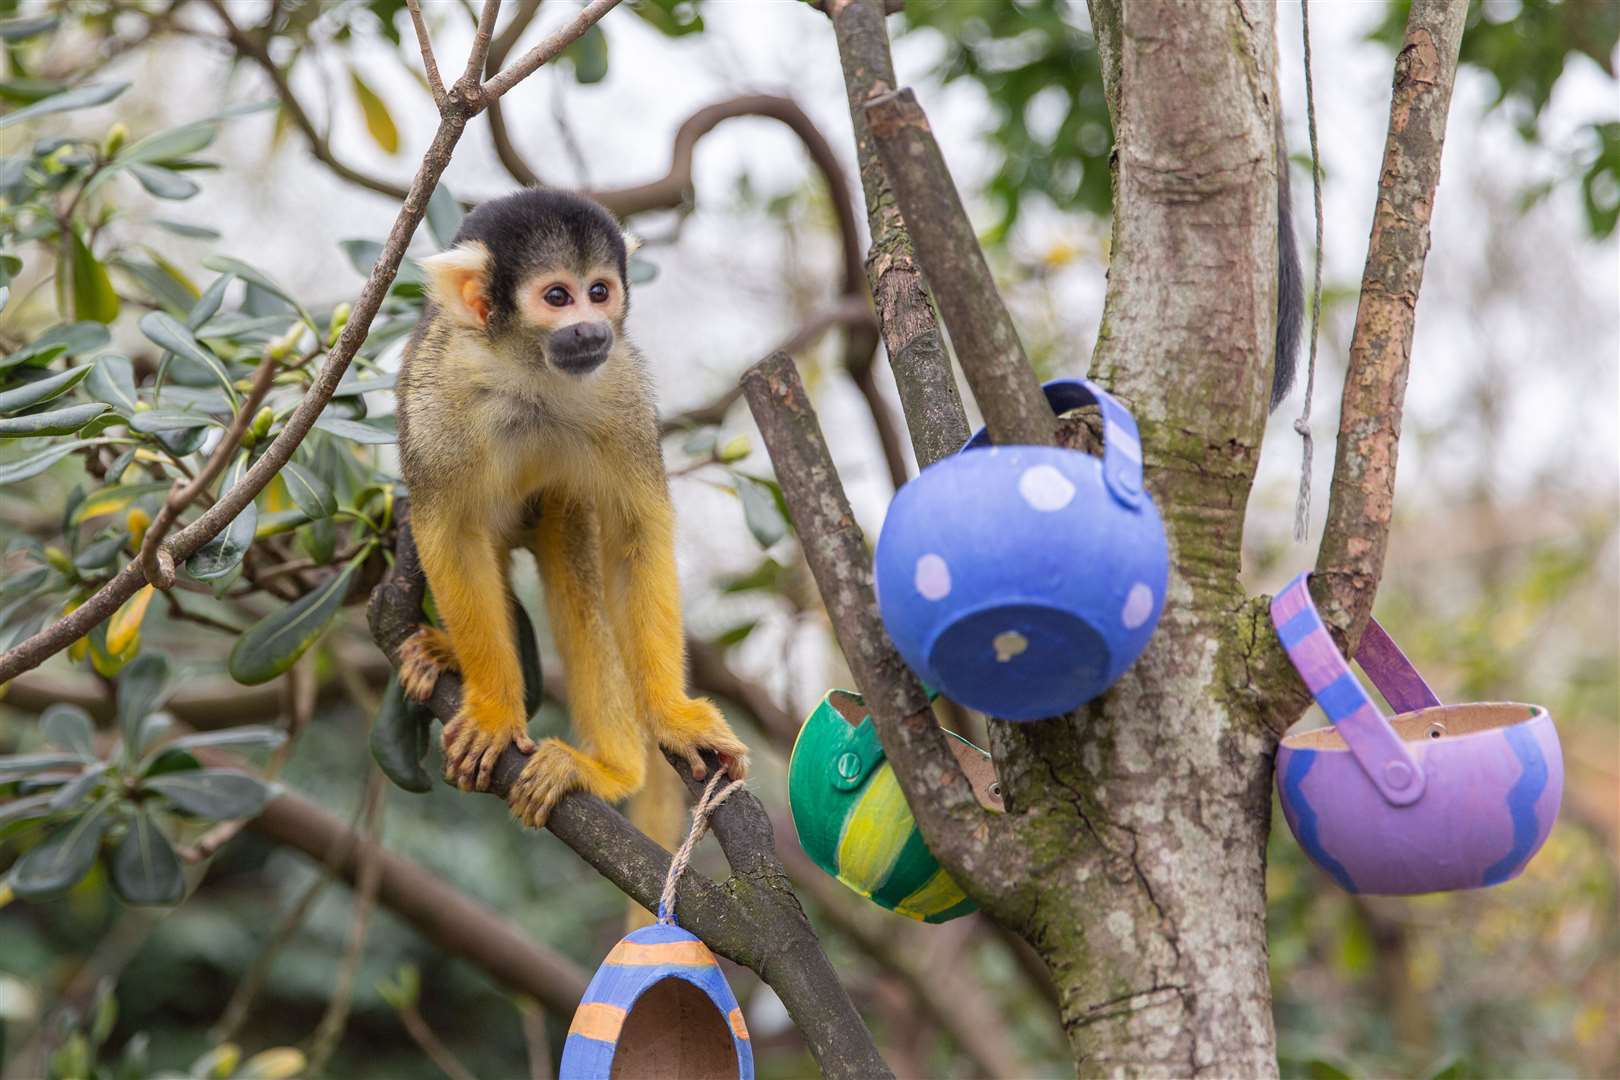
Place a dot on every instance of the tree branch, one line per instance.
(543, 53)
(1350, 561)
(987, 345)
(754, 920)
(935, 418)
(499, 49)
(105, 601)
(431, 65)
(957, 829)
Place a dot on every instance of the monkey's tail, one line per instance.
(659, 810)
(1290, 280)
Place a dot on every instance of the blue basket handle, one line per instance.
(1380, 751)
(1122, 444)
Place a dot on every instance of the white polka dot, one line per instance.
(933, 577)
(1138, 606)
(1046, 489)
(1008, 644)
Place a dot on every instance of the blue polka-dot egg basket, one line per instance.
(1023, 580)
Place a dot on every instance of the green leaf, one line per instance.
(271, 645)
(309, 493)
(22, 29)
(164, 183)
(70, 728)
(152, 421)
(41, 390)
(170, 145)
(396, 740)
(736, 635)
(29, 809)
(112, 380)
(14, 471)
(191, 232)
(378, 120)
(144, 868)
(162, 329)
(82, 97)
(62, 858)
(69, 339)
(249, 736)
(113, 500)
(208, 303)
(219, 794)
(93, 295)
(224, 264)
(55, 422)
(355, 431)
(221, 555)
(589, 56)
(16, 766)
(142, 688)
(443, 217)
(73, 792)
(760, 511)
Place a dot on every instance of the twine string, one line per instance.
(706, 805)
(1302, 505)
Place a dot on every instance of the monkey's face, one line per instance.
(541, 275)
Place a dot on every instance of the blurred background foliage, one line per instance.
(130, 327)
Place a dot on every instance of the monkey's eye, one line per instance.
(599, 293)
(557, 296)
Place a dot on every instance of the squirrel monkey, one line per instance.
(520, 394)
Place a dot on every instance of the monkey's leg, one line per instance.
(611, 759)
(466, 568)
(425, 656)
(644, 596)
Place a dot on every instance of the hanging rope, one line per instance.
(706, 805)
(1302, 506)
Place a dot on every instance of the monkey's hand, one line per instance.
(695, 726)
(475, 738)
(555, 769)
(425, 656)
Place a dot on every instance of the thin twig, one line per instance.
(480, 43)
(547, 50)
(423, 1036)
(499, 49)
(435, 83)
(1302, 425)
(533, 1019)
(329, 1032)
(157, 562)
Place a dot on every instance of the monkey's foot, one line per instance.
(555, 769)
(474, 740)
(696, 725)
(423, 657)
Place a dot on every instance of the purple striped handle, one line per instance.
(1378, 749)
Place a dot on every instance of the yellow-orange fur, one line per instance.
(490, 432)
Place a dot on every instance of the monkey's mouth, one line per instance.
(579, 361)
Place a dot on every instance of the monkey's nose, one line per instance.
(581, 346)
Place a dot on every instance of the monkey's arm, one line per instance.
(465, 567)
(611, 760)
(644, 596)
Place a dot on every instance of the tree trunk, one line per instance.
(1146, 815)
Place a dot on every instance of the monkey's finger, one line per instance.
(522, 741)
(694, 759)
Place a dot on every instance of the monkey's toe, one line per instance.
(423, 657)
(699, 727)
(551, 773)
(472, 747)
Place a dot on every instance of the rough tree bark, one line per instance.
(1132, 854)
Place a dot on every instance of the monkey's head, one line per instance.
(542, 274)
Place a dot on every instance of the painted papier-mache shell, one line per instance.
(852, 818)
(1023, 580)
(658, 1009)
(1441, 797)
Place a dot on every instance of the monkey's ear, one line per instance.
(458, 281)
(632, 242)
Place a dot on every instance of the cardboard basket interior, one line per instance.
(1439, 722)
(674, 1030)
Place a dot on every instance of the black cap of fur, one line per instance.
(540, 228)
